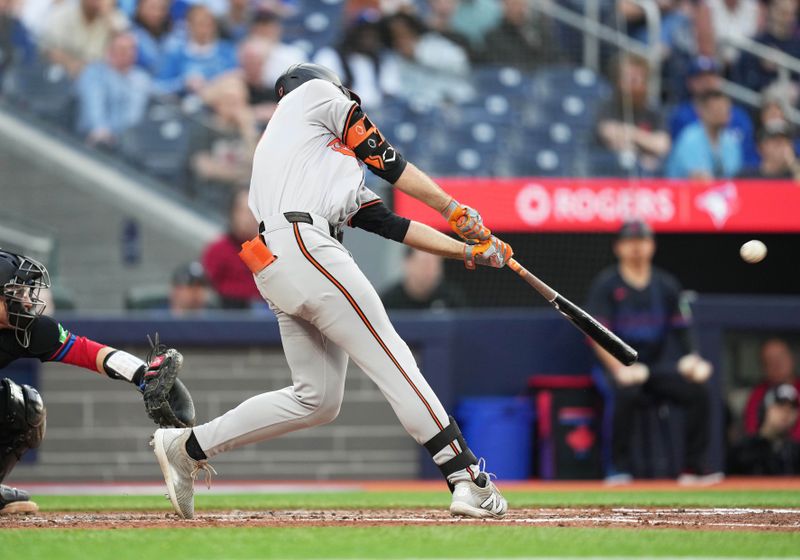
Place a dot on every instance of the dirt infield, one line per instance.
(691, 519)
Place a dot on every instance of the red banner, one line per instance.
(518, 205)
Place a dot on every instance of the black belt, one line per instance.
(305, 218)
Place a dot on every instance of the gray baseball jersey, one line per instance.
(327, 310)
(301, 162)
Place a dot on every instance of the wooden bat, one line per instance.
(580, 318)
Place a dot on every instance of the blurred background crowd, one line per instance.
(183, 88)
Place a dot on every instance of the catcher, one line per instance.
(25, 333)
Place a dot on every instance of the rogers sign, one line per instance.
(598, 205)
(537, 204)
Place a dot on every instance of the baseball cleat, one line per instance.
(471, 500)
(178, 468)
(15, 501)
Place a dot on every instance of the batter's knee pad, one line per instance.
(464, 457)
(22, 423)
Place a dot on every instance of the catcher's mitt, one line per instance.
(166, 399)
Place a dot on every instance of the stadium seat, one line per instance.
(504, 80)
(560, 82)
(159, 144)
(44, 89)
(603, 163)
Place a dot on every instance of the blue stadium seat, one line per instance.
(495, 108)
(561, 81)
(159, 144)
(464, 161)
(504, 80)
(540, 161)
(603, 163)
(557, 135)
(44, 89)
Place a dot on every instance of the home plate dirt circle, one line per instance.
(745, 519)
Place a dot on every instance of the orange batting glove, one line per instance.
(494, 253)
(466, 223)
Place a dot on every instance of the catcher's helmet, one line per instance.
(21, 280)
(299, 74)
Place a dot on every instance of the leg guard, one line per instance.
(462, 460)
(22, 423)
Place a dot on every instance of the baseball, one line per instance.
(753, 251)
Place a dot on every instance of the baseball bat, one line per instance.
(610, 342)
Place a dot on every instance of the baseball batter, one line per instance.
(307, 183)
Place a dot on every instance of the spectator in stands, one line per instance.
(16, 44)
(152, 26)
(440, 20)
(640, 303)
(267, 25)
(423, 285)
(778, 159)
(676, 24)
(35, 14)
(781, 33)
(356, 59)
(771, 451)
(189, 292)
(626, 124)
(112, 94)
(717, 21)
(474, 18)
(228, 275)
(778, 367)
(235, 24)
(253, 54)
(222, 147)
(77, 33)
(707, 149)
(522, 39)
(776, 100)
(191, 64)
(704, 76)
(424, 66)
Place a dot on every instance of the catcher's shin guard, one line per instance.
(22, 423)
(464, 458)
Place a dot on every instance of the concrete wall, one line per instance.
(87, 229)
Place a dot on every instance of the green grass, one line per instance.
(352, 500)
(389, 542)
(452, 541)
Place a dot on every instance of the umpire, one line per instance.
(641, 303)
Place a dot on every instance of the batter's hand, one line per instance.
(494, 253)
(466, 223)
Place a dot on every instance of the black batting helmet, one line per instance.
(299, 74)
(21, 280)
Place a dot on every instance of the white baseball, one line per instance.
(753, 251)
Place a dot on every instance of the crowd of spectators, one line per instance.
(221, 58)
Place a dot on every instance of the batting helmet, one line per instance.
(299, 74)
(21, 280)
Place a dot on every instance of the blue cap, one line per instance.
(704, 65)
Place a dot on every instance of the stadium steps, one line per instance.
(86, 204)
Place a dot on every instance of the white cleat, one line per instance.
(178, 468)
(470, 500)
